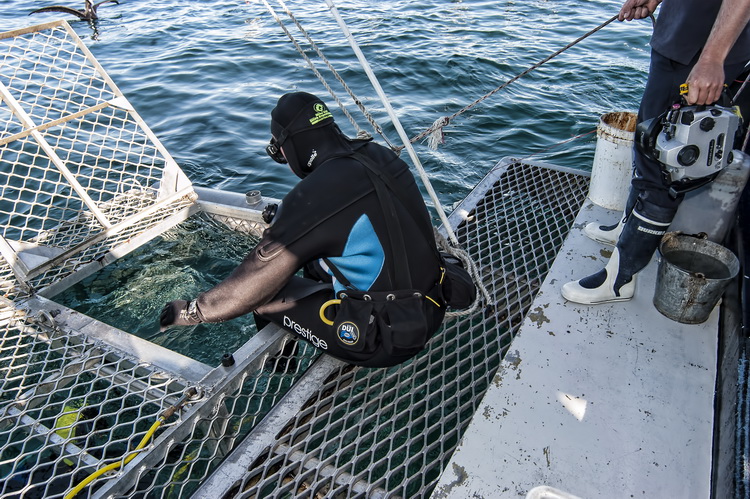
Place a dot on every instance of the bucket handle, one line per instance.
(700, 235)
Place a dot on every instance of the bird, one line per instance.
(87, 14)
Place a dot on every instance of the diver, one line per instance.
(706, 44)
(373, 289)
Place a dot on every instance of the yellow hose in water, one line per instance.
(114, 466)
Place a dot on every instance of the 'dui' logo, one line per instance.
(348, 333)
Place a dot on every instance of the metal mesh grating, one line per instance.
(68, 404)
(78, 164)
(71, 404)
(222, 423)
(51, 76)
(390, 432)
(93, 253)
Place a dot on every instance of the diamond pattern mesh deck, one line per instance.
(390, 432)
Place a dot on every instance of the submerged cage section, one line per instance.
(90, 410)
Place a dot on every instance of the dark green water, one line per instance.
(205, 74)
(186, 260)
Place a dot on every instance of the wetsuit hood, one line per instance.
(305, 129)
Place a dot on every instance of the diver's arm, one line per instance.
(251, 284)
(706, 80)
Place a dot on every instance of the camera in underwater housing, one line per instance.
(692, 143)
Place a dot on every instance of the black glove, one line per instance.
(180, 313)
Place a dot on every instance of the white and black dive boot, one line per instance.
(616, 281)
(609, 234)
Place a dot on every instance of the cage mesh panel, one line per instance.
(106, 149)
(69, 405)
(37, 200)
(392, 431)
(251, 227)
(50, 75)
(109, 154)
(9, 285)
(190, 461)
(96, 251)
(8, 282)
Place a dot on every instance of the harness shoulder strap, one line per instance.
(400, 193)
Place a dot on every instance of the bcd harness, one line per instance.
(398, 318)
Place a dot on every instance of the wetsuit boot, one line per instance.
(616, 281)
(609, 234)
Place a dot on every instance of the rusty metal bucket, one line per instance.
(693, 274)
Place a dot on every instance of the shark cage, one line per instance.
(89, 409)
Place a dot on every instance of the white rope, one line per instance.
(473, 271)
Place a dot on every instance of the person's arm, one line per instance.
(706, 80)
(637, 9)
(253, 283)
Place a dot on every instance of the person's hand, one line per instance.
(637, 9)
(179, 313)
(705, 82)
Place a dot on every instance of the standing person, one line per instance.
(357, 224)
(705, 43)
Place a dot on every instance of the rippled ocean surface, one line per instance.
(205, 74)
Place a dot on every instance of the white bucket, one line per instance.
(613, 160)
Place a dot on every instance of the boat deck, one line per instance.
(612, 398)
(574, 404)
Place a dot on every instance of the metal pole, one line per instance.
(394, 119)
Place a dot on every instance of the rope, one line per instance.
(747, 134)
(435, 132)
(311, 64)
(579, 136)
(394, 119)
(473, 271)
(360, 133)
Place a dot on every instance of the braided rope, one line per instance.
(312, 65)
(357, 101)
(468, 264)
(435, 132)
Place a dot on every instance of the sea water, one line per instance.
(204, 75)
(184, 261)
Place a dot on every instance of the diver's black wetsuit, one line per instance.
(332, 213)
